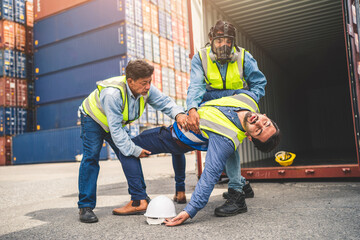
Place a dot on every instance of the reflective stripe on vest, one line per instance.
(93, 108)
(234, 78)
(213, 120)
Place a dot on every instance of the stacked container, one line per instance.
(16, 19)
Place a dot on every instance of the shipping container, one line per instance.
(20, 63)
(29, 38)
(163, 52)
(156, 77)
(57, 145)
(148, 47)
(138, 13)
(165, 81)
(169, 34)
(168, 6)
(7, 10)
(8, 121)
(170, 50)
(139, 42)
(78, 81)
(19, 9)
(178, 84)
(174, 29)
(151, 115)
(7, 63)
(146, 15)
(7, 92)
(21, 93)
(162, 23)
(29, 14)
(30, 67)
(21, 121)
(177, 63)
(307, 51)
(46, 8)
(7, 34)
(111, 41)
(5, 150)
(88, 17)
(155, 48)
(20, 37)
(161, 4)
(172, 86)
(154, 19)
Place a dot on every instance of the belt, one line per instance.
(180, 143)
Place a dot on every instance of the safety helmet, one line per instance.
(158, 209)
(284, 158)
(222, 37)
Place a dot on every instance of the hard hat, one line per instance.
(158, 209)
(285, 158)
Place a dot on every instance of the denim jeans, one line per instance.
(233, 171)
(93, 137)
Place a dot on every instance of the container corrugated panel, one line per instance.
(172, 85)
(156, 77)
(154, 18)
(146, 15)
(5, 150)
(29, 14)
(20, 59)
(151, 114)
(154, 2)
(168, 6)
(174, 28)
(177, 64)
(60, 145)
(78, 81)
(7, 92)
(30, 67)
(31, 94)
(21, 121)
(188, 61)
(22, 93)
(29, 46)
(7, 10)
(163, 52)
(162, 23)
(148, 46)
(169, 34)
(20, 37)
(7, 63)
(178, 84)
(139, 42)
(58, 115)
(170, 50)
(46, 8)
(180, 28)
(138, 13)
(30, 121)
(183, 59)
(88, 17)
(114, 40)
(143, 118)
(184, 86)
(160, 117)
(179, 9)
(165, 81)
(7, 34)
(7, 121)
(19, 8)
(161, 4)
(173, 6)
(156, 48)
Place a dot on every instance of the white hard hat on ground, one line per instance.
(158, 209)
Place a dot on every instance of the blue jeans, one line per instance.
(156, 140)
(93, 137)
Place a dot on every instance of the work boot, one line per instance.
(249, 193)
(234, 205)
(180, 197)
(86, 215)
(134, 207)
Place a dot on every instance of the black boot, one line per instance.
(249, 193)
(234, 205)
(87, 215)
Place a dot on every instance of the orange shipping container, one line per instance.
(184, 85)
(180, 25)
(174, 28)
(154, 18)
(156, 78)
(173, 7)
(170, 50)
(46, 8)
(146, 15)
(5, 150)
(29, 14)
(20, 37)
(29, 47)
(163, 52)
(7, 34)
(21, 92)
(184, 10)
(7, 92)
(179, 9)
(178, 85)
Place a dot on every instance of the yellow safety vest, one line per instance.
(213, 120)
(93, 108)
(234, 78)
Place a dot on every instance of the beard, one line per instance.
(248, 115)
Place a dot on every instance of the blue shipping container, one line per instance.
(162, 23)
(79, 81)
(156, 48)
(183, 59)
(7, 9)
(8, 123)
(177, 64)
(21, 121)
(81, 19)
(108, 42)
(139, 42)
(7, 63)
(60, 145)
(19, 8)
(20, 59)
(148, 49)
(168, 26)
(138, 13)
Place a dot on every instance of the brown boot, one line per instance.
(132, 208)
(180, 197)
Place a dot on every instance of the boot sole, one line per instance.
(180, 202)
(250, 195)
(131, 213)
(89, 221)
(242, 210)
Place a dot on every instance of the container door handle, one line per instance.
(281, 172)
(346, 170)
(250, 173)
(309, 171)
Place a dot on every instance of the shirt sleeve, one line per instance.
(111, 101)
(254, 77)
(163, 103)
(197, 87)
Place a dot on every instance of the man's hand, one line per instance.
(181, 120)
(179, 219)
(193, 121)
(144, 153)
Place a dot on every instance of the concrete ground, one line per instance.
(39, 202)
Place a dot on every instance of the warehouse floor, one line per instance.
(39, 202)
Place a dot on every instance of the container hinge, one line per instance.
(309, 171)
(250, 173)
(281, 172)
(346, 170)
